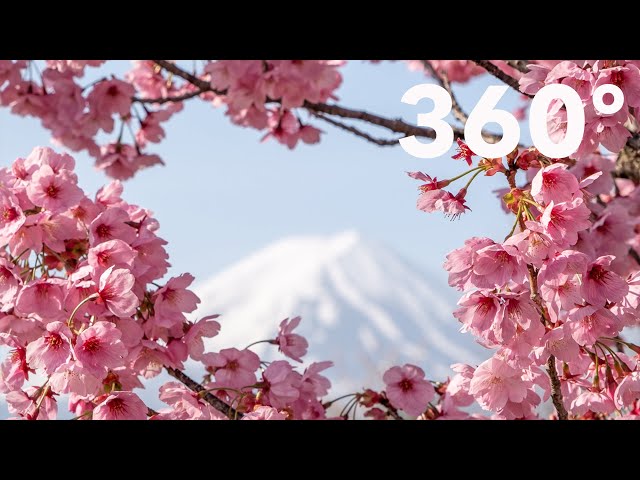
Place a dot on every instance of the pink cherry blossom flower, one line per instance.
(72, 377)
(628, 390)
(594, 401)
(111, 224)
(495, 383)
(554, 183)
(587, 324)
(76, 67)
(444, 201)
(524, 410)
(627, 78)
(173, 300)
(11, 215)
(312, 383)
(99, 348)
(53, 192)
(375, 414)
(457, 70)
(581, 80)
(24, 404)
(531, 245)
(262, 412)
(149, 358)
(498, 266)
(516, 310)
(186, 404)
(460, 263)
(41, 156)
(458, 387)
(150, 129)
(291, 344)
(9, 285)
(532, 81)
(563, 221)
(115, 293)
(42, 298)
(430, 183)
(407, 388)
(151, 262)
(111, 253)
(111, 96)
(592, 164)
(559, 343)
(279, 389)
(600, 285)
(234, 368)
(477, 312)
(52, 350)
(206, 327)
(14, 370)
(463, 152)
(121, 406)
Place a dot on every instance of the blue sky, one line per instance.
(223, 194)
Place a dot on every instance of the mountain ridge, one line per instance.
(362, 306)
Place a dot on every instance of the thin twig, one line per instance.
(394, 125)
(500, 75)
(556, 392)
(391, 410)
(177, 98)
(521, 65)
(378, 141)
(443, 81)
(212, 400)
(192, 79)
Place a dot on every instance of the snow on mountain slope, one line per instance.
(362, 306)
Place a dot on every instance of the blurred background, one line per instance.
(329, 231)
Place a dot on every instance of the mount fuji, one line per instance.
(362, 306)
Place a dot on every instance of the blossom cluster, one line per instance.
(555, 294)
(262, 94)
(87, 316)
(607, 130)
(84, 317)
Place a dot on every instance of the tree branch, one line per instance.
(378, 141)
(397, 125)
(521, 65)
(628, 162)
(394, 125)
(500, 75)
(443, 81)
(556, 392)
(192, 79)
(212, 400)
(177, 98)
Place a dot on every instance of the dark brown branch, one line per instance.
(500, 75)
(521, 65)
(378, 141)
(443, 81)
(634, 254)
(391, 410)
(396, 125)
(192, 79)
(628, 163)
(212, 400)
(556, 392)
(177, 98)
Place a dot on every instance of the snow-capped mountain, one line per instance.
(362, 306)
